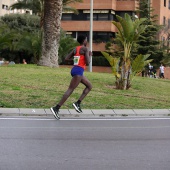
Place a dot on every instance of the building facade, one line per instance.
(162, 10)
(5, 8)
(103, 14)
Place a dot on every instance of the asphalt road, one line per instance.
(70, 144)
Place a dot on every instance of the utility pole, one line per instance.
(149, 9)
(91, 33)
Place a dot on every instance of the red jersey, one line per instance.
(79, 59)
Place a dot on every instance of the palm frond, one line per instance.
(139, 63)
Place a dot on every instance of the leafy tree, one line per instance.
(22, 22)
(14, 28)
(125, 67)
(67, 43)
(17, 43)
(30, 44)
(5, 37)
(148, 42)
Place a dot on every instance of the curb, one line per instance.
(87, 113)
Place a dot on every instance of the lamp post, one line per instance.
(91, 32)
(149, 3)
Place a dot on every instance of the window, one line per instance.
(4, 6)
(99, 37)
(84, 15)
(164, 3)
(67, 17)
(94, 17)
(164, 20)
(122, 13)
(103, 17)
(168, 23)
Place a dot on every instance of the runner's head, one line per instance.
(82, 40)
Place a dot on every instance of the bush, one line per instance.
(99, 61)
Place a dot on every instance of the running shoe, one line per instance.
(55, 112)
(77, 107)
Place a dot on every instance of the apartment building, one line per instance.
(4, 8)
(162, 9)
(104, 11)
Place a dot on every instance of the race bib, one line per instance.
(76, 60)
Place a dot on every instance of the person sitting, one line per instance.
(24, 61)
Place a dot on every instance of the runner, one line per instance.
(81, 56)
(162, 69)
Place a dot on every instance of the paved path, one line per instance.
(42, 143)
(87, 113)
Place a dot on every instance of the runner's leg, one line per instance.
(73, 84)
(87, 89)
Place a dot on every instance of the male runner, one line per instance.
(81, 56)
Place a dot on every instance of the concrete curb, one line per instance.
(87, 113)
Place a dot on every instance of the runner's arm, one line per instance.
(87, 56)
(70, 55)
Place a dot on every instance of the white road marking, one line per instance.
(85, 127)
(80, 119)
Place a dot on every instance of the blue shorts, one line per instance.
(77, 71)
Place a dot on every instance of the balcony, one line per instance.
(97, 4)
(103, 26)
(121, 5)
(126, 5)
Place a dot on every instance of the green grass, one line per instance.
(31, 86)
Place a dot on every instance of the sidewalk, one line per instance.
(87, 113)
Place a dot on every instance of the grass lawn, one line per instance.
(31, 86)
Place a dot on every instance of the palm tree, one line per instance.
(51, 13)
(124, 68)
(31, 44)
(51, 33)
(7, 37)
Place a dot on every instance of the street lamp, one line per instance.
(91, 33)
(149, 3)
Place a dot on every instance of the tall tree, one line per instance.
(22, 23)
(51, 33)
(148, 42)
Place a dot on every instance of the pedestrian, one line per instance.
(150, 72)
(162, 68)
(24, 61)
(81, 57)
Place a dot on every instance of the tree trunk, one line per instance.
(51, 33)
(123, 83)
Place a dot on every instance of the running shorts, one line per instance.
(77, 71)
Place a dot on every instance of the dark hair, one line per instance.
(81, 38)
